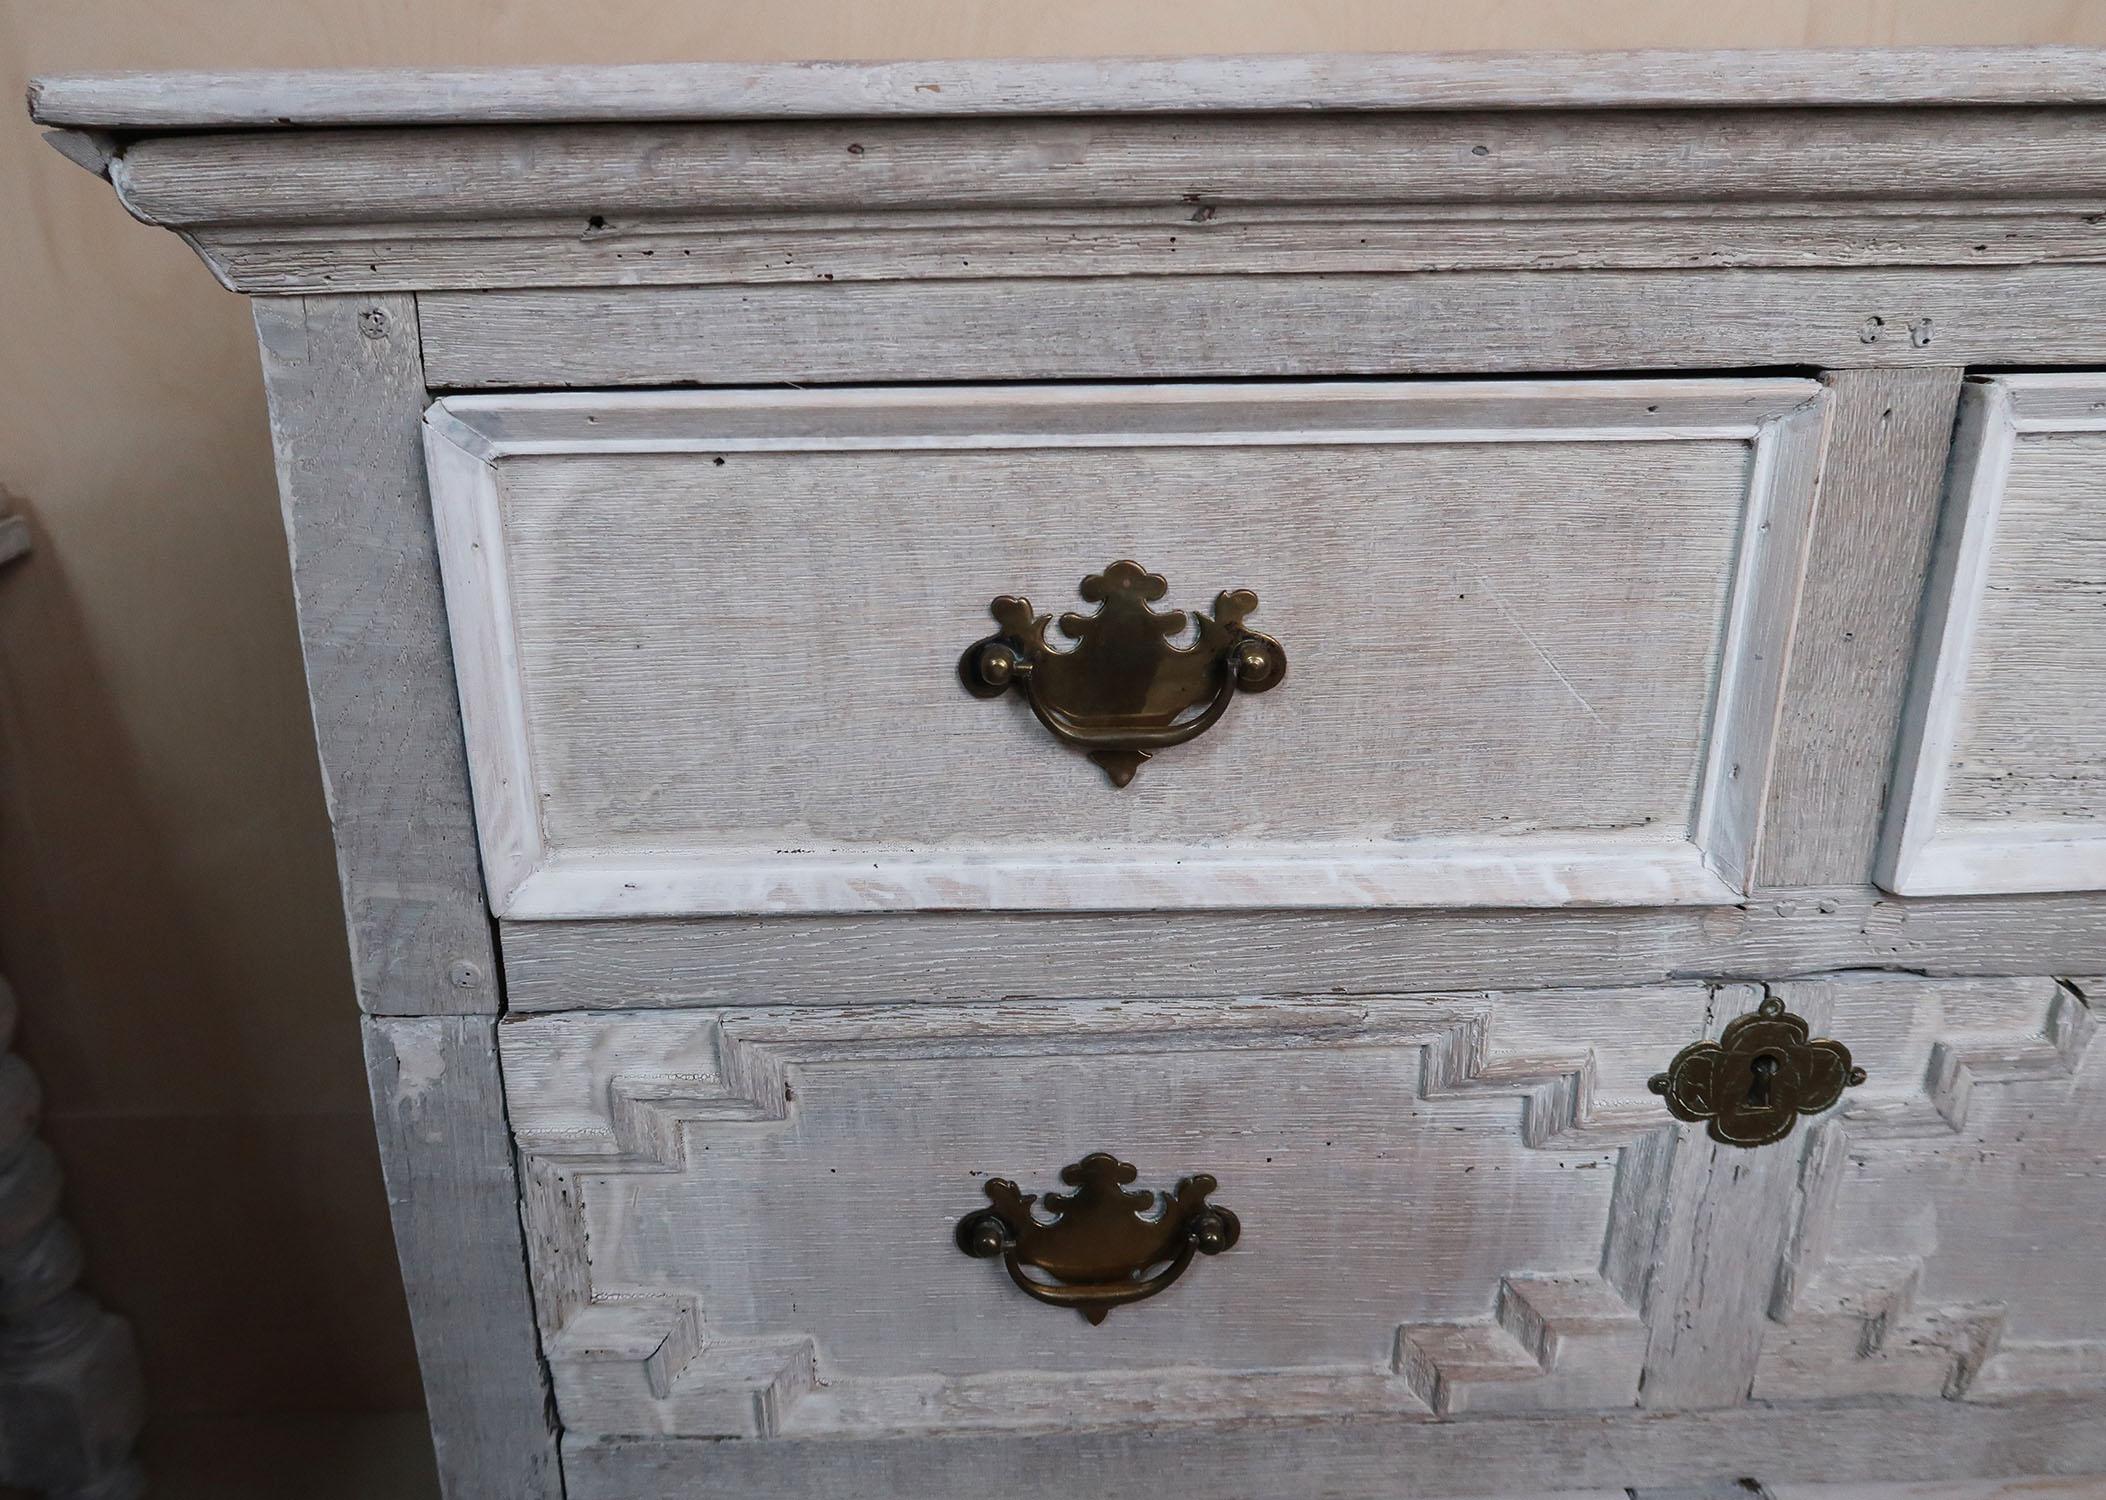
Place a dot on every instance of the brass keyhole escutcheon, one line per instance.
(1751, 1085)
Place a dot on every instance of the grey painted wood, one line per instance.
(1721, 1237)
(1789, 1316)
(1166, 327)
(1998, 786)
(346, 394)
(1849, 158)
(1880, 491)
(1588, 584)
(1812, 76)
(2033, 1487)
(908, 958)
(1398, 1459)
(453, 1185)
(848, 200)
(1165, 240)
(692, 1166)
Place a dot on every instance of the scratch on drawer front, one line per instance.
(1522, 631)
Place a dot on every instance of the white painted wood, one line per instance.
(2042, 1487)
(624, 174)
(1186, 327)
(1930, 1249)
(1477, 1259)
(1767, 573)
(1393, 1457)
(854, 199)
(346, 389)
(905, 958)
(1536, 571)
(1881, 482)
(691, 1164)
(1998, 783)
(447, 1159)
(1723, 1215)
(346, 392)
(1174, 239)
(686, 91)
(729, 1180)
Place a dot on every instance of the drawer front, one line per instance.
(745, 1223)
(709, 643)
(756, 1223)
(2002, 779)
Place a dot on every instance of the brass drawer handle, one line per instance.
(1125, 692)
(1753, 1083)
(1099, 1249)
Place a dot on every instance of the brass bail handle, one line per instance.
(1105, 1246)
(1124, 691)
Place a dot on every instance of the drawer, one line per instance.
(746, 1223)
(2002, 779)
(709, 643)
(756, 1223)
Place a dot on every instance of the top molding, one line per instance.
(125, 102)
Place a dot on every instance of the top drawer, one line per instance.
(709, 642)
(2002, 779)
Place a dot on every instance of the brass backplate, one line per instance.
(1103, 1245)
(1751, 1085)
(1124, 691)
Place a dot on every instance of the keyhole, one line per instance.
(1760, 1072)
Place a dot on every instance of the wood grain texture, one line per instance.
(2039, 1487)
(1768, 571)
(1722, 1227)
(454, 1189)
(1879, 493)
(1927, 1253)
(2003, 737)
(1537, 631)
(1400, 1458)
(346, 391)
(687, 1162)
(1180, 239)
(905, 957)
(544, 172)
(1367, 1146)
(1165, 327)
(686, 91)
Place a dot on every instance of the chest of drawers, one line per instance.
(1281, 702)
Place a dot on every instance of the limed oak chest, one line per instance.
(1367, 777)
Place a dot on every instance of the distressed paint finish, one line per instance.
(1281, 325)
(2000, 786)
(1086, 86)
(1539, 632)
(903, 958)
(708, 1183)
(1484, 1261)
(716, 1193)
(1881, 482)
(346, 389)
(1396, 1458)
(452, 1183)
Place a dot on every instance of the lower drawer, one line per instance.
(757, 1223)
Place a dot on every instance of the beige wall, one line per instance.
(167, 900)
